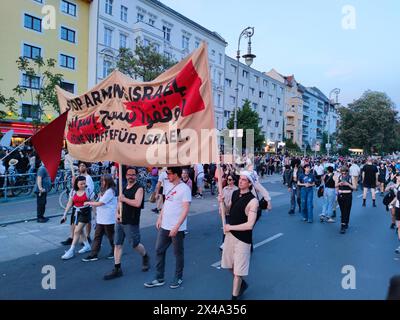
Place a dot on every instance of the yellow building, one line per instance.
(63, 35)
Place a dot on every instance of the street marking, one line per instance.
(57, 227)
(28, 232)
(278, 235)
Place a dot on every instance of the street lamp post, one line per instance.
(335, 91)
(247, 33)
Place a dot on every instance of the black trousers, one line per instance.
(41, 200)
(345, 200)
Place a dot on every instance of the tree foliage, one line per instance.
(247, 118)
(370, 123)
(43, 95)
(144, 63)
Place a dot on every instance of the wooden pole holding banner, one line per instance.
(221, 204)
(120, 187)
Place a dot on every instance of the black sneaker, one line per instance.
(67, 242)
(243, 287)
(176, 284)
(110, 256)
(155, 283)
(155, 210)
(374, 205)
(115, 273)
(291, 212)
(343, 229)
(90, 258)
(42, 220)
(392, 226)
(145, 263)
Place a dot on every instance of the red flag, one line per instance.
(48, 143)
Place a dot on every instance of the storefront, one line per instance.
(22, 130)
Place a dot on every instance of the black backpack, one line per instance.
(388, 198)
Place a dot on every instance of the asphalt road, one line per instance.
(292, 260)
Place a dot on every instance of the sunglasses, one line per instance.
(229, 179)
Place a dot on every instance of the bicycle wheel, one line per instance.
(63, 199)
(25, 188)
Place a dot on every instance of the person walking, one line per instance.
(293, 187)
(382, 177)
(345, 197)
(369, 178)
(42, 187)
(355, 173)
(171, 225)
(105, 217)
(238, 233)
(307, 182)
(329, 196)
(132, 200)
(81, 215)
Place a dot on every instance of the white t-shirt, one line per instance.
(200, 170)
(89, 184)
(106, 214)
(163, 178)
(319, 169)
(173, 206)
(354, 170)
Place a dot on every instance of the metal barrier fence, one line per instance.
(22, 185)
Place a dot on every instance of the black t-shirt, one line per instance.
(131, 215)
(370, 171)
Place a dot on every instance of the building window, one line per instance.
(139, 17)
(220, 58)
(213, 52)
(232, 100)
(270, 98)
(265, 83)
(185, 42)
(261, 95)
(219, 78)
(107, 37)
(106, 68)
(278, 101)
(272, 110)
(256, 79)
(274, 86)
(245, 74)
(146, 42)
(281, 89)
(40, 1)
(280, 136)
(33, 23)
(260, 120)
(30, 82)
(70, 87)
(264, 108)
(255, 106)
(228, 83)
(167, 33)
(109, 5)
(271, 135)
(276, 124)
(269, 122)
(233, 68)
(123, 39)
(30, 111)
(168, 55)
(227, 114)
(252, 91)
(152, 22)
(68, 8)
(32, 52)
(197, 44)
(280, 113)
(67, 34)
(124, 13)
(241, 87)
(67, 62)
(217, 99)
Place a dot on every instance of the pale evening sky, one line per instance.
(306, 38)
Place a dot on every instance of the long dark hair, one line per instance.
(109, 183)
(78, 179)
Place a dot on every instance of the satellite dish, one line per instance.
(6, 140)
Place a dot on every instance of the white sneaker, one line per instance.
(68, 255)
(85, 249)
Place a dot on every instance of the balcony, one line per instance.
(290, 127)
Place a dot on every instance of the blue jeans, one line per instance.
(295, 193)
(307, 195)
(154, 180)
(329, 202)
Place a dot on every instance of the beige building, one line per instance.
(293, 106)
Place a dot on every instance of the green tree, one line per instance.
(6, 105)
(369, 123)
(291, 146)
(41, 86)
(144, 63)
(248, 119)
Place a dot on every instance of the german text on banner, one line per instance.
(169, 121)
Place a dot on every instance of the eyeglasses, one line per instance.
(229, 179)
(131, 175)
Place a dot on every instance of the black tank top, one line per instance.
(329, 182)
(131, 215)
(237, 215)
(345, 179)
